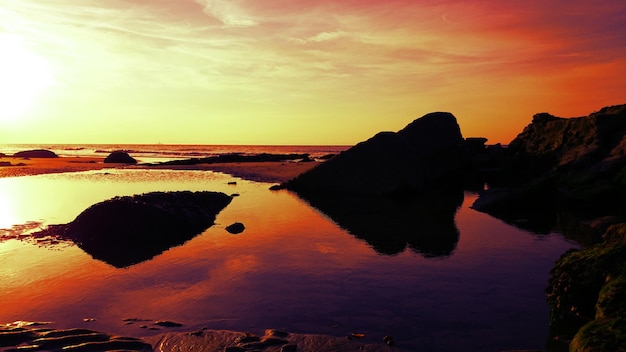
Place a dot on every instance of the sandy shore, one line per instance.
(271, 172)
(14, 167)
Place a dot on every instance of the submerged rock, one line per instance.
(127, 230)
(119, 157)
(428, 151)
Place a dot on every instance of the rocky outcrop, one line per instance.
(36, 154)
(427, 152)
(577, 165)
(587, 295)
(127, 230)
(206, 340)
(25, 337)
(119, 157)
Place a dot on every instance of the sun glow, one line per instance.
(23, 76)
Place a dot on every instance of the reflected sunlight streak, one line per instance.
(7, 216)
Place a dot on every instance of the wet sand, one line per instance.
(271, 171)
(268, 171)
(14, 167)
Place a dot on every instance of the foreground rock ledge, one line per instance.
(272, 341)
(27, 336)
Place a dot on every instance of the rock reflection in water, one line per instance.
(423, 223)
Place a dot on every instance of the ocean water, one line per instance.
(435, 275)
(164, 152)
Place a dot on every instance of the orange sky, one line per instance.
(293, 72)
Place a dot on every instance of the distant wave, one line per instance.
(164, 152)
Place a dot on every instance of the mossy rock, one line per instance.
(612, 298)
(601, 335)
(615, 233)
(587, 296)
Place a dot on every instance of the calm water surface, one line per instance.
(292, 268)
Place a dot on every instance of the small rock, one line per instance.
(36, 153)
(289, 348)
(276, 333)
(232, 182)
(235, 228)
(248, 337)
(167, 324)
(119, 157)
(388, 340)
(234, 349)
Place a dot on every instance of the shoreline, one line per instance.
(24, 335)
(264, 171)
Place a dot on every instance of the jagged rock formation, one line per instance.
(576, 165)
(127, 230)
(424, 153)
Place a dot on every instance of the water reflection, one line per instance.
(292, 268)
(425, 224)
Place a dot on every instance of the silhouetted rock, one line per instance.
(476, 145)
(36, 154)
(235, 228)
(119, 157)
(238, 158)
(426, 152)
(580, 164)
(127, 230)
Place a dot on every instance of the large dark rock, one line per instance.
(35, 154)
(424, 153)
(127, 230)
(550, 143)
(119, 157)
(572, 165)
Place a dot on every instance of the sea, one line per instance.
(166, 152)
(434, 274)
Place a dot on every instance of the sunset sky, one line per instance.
(299, 72)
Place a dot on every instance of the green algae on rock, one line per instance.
(587, 295)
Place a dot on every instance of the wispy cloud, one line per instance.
(229, 12)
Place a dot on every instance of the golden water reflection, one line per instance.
(292, 268)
